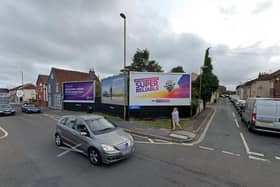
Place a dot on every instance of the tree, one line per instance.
(177, 69)
(141, 63)
(209, 81)
(97, 89)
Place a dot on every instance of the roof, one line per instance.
(63, 75)
(27, 86)
(265, 77)
(43, 78)
(275, 73)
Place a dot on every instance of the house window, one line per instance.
(49, 88)
(51, 76)
(56, 87)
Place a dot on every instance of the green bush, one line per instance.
(194, 106)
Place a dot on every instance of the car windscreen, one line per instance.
(100, 125)
(5, 106)
(30, 106)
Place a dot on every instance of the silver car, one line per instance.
(101, 140)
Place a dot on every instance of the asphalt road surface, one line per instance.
(228, 156)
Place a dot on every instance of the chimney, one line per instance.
(92, 74)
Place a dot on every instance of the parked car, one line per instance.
(262, 114)
(6, 109)
(30, 108)
(101, 140)
(234, 99)
(240, 104)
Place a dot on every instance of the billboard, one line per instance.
(79, 92)
(113, 89)
(159, 89)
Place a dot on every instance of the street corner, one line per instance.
(182, 135)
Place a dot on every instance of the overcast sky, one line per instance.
(36, 35)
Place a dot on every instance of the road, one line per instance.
(228, 156)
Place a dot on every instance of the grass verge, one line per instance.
(160, 123)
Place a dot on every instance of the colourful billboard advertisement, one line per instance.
(113, 90)
(159, 89)
(80, 92)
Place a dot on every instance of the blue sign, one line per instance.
(134, 107)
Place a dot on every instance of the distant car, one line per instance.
(6, 109)
(262, 114)
(30, 108)
(101, 140)
(240, 106)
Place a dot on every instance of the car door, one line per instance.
(81, 141)
(67, 128)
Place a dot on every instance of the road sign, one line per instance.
(19, 93)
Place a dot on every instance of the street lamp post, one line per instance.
(124, 61)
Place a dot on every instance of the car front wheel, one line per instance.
(58, 140)
(94, 156)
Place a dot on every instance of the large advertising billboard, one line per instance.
(113, 89)
(159, 89)
(79, 92)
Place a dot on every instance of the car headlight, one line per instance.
(109, 148)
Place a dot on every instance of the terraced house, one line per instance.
(266, 85)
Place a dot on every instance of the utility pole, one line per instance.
(124, 63)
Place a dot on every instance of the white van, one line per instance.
(262, 114)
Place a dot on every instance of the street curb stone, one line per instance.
(196, 133)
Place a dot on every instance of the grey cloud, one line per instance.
(83, 34)
(262, 6)
(242, 64)
(228, 11)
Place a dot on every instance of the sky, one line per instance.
(36, 35)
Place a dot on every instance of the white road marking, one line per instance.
(248, 149)
(256, 154)
(230, 153)
(69, 150)
(206, 148)
(233, 114)
(201, 138)
(150, 140)
(186, 144)
(53, 117)
(245, 143)
(236, 122)
(259, 159)
(5, 133)
(178, 136)
(277, 157)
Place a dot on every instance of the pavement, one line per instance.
(190, 132)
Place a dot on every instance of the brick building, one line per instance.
(41, 90)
